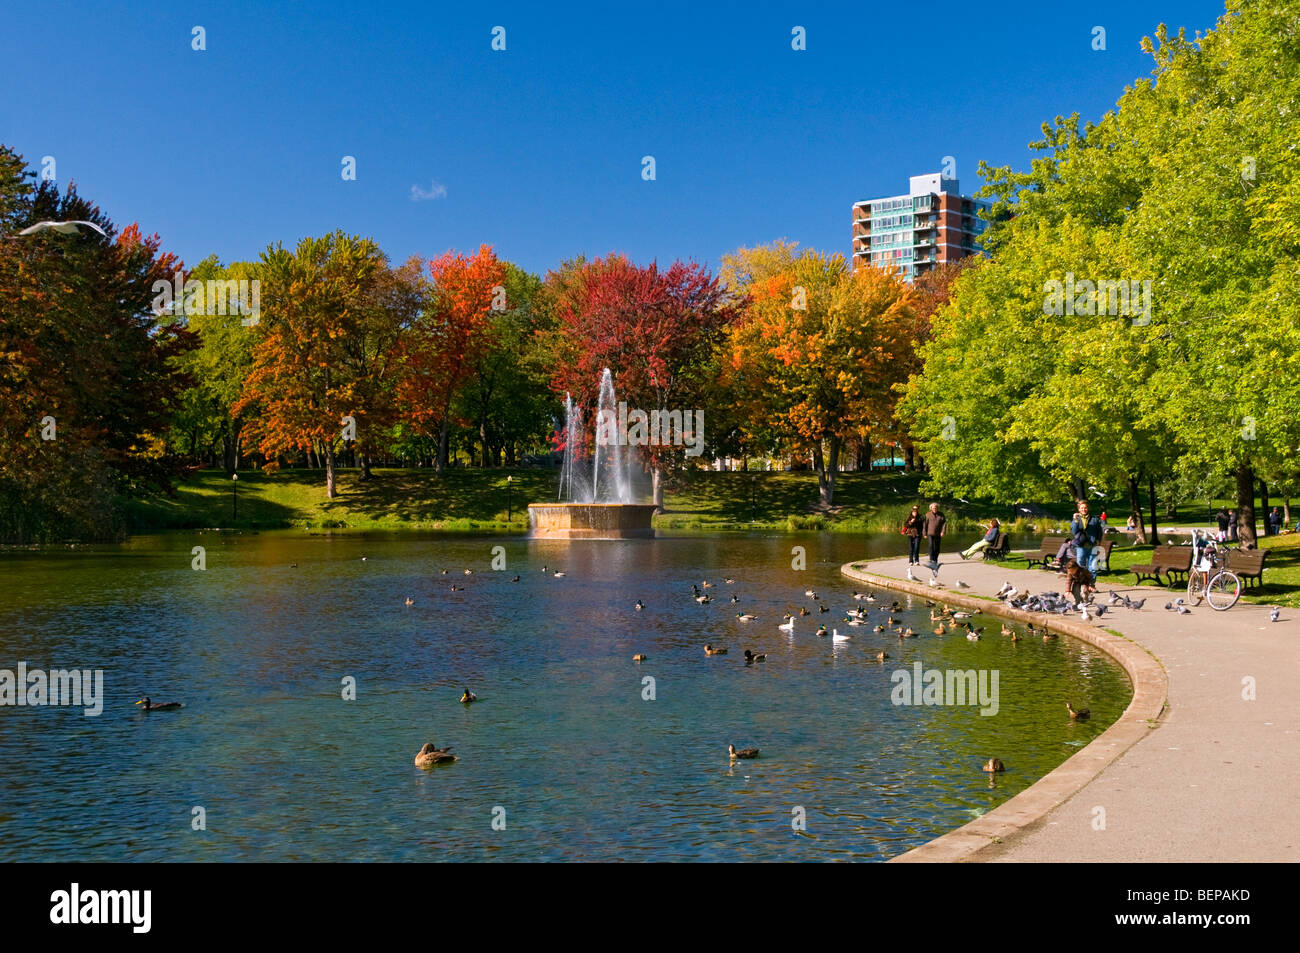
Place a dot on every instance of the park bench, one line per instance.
(1248, 564)
(1046, 552)
(1173, 561)
(1000, 549)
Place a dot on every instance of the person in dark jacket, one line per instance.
(912, 530)
(1232, 526)
(1086, 531)
(934, 526)
(1221, 518)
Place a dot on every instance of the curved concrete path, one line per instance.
(1215, 778)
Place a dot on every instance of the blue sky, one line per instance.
(539, 147)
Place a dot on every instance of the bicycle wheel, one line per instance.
(1223, 591)
(1195, 586)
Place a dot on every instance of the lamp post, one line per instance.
(509, 510)
(234, 490)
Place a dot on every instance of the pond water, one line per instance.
(565, 757)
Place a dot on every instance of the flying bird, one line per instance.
(63, 228)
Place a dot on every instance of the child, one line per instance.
(1082, 583)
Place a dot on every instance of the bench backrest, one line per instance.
(1175, 557)
(1247, 560)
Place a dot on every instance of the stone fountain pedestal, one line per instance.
(591, 520)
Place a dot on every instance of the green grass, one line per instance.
(476, 500)
(1281, 583)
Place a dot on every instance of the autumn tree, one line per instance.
(448, 340)
(321, 342)
(657, 331)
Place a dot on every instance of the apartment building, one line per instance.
(913, 233)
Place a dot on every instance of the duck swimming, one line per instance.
(468, 697)
(822, 631)
(150, 705)
(710, 650)
(639, 605)
(429, 756)
(994, 764)
(742, 753)
(745, 617)
(638, 657)
(751, 657)
(1080, 715)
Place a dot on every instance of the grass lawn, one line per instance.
(476, 500)
(1281, 584)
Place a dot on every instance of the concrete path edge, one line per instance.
(1014, 817)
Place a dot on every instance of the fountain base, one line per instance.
(591, 520)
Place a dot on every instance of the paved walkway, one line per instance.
(1217, 779)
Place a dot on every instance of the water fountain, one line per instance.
(595, 498)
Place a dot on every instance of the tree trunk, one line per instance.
(1135, 508)
(365, 465)
(443, 433)
(657, 488)
(1246, 506)
(483, 439)
(330, 491)
(826, 468)
(864, 461)
(1263, 505)
(1151, 490)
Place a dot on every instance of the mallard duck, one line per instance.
(908, 633)
(150, 705)
(879, 628)
(704, 600)
(457, 588)
(444, 572)
(1049, 636)
(706, 584)
(468, 697)
(469, 572)
(410, 601)
(869, 598)
(892, 621)
(1080, 715)
(822, 630)
(854, 621)
(751, 657)
(516, 579)
(742, 753)
(1015, 636)
(993, 765)
(734, 599)
(639, 605)
(429, 755)
(745, 617)
(803, 611)
(559, 574)
(638, 657)
(882, 655)
(810, 594)
(710, 650)
(1007, 630)
(939, 631)
(973, 636)
(729, 581)
(821, 608)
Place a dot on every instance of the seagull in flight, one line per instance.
(63, 228)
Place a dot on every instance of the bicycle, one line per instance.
(1209, 577)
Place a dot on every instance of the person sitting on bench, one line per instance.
(989, 539)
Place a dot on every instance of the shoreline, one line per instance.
(1031, 806)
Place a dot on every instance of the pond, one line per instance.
(573, 751)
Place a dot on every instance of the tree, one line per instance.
(319, 346)
(656, 330)
(448, 340)
(88, 374)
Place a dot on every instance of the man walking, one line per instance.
(936, 524)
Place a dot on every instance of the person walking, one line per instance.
(990, 537)
(1086, 532)
(1232, 526)
(934, 526)
(912, 530)
(1275, 521)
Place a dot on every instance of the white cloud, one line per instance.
(436, 191)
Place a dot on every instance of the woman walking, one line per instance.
(912, 530)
